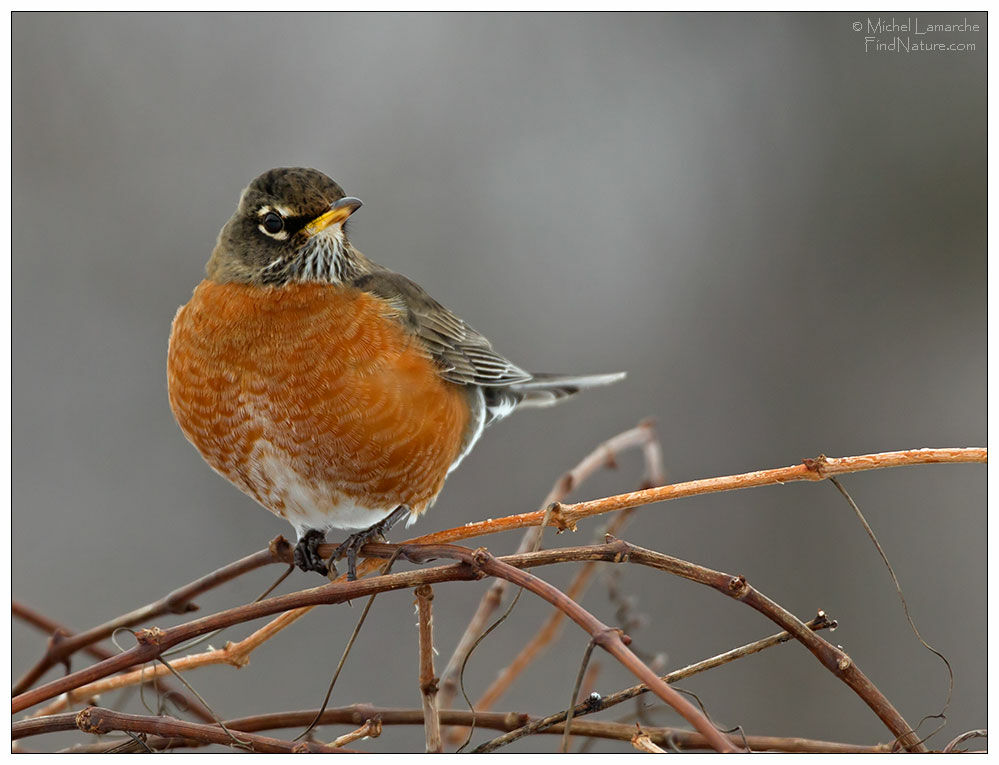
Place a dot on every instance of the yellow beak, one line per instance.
(339, 212)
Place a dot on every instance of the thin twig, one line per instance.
(357, 714)
(183, 700)
(833, 658)
(502, 618)
(179, 601)
(100, 721)
(607, 638)
(644, 743)
(46, 625)
(548, 631)
(814, 470)
(642, 436)
(817, 469)
(605, 455)
(154, 641)
(370, 729)
(428, 683)
(942, 714)
(979, 733)
(810, 469)
(564, 748)
(592, 704)
(386, 567)
(586, 690)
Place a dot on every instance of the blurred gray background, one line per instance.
(780, 237)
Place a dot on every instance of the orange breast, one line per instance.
(313, 400)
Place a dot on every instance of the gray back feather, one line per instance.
(466, 357)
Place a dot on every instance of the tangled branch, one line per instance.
(164, 732)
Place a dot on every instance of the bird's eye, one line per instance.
(273, 223)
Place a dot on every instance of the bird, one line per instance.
(335, 392)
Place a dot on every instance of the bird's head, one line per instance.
(289, 226)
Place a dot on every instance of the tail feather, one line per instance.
(541, 390)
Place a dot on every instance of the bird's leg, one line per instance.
(355, 542)
(306, 556)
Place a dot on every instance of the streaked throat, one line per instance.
(325, 257)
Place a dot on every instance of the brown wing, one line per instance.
(462, 354)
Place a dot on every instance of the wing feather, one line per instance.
(463, 355)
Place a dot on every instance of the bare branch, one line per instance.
(372, 728)
(605, 455)
(428, 683)
(291, 607)
(816, 469)
(100, 721)
(643, 743)
(177, 602)
(548, 632)
(607, 638)
(46, 625)
(184, 700)
(957, 741)
(591, 705)
(358, 713)
(152, 642)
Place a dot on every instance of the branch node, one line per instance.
(557, 519)
(822, 621)
(622, 550)
(424, 591)
(372, 728)
(280, 549)
(149, 636)
(234, 655)
(181, 606)
(609, 635)
(480, 557)
(611, 460)
(844, 663)
(816, 465)
(85, 722)
(566, 484)
(58, 636)
(513, 720)
(644, 743)
(429, 687)
(737, 586)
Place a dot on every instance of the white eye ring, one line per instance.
(272, 224)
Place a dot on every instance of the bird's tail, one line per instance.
(541, 390)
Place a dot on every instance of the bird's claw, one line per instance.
(352, 544)
(307, 556)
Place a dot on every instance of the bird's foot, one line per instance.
(307, 556)
(352, 544)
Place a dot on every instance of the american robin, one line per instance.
(335, 392)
